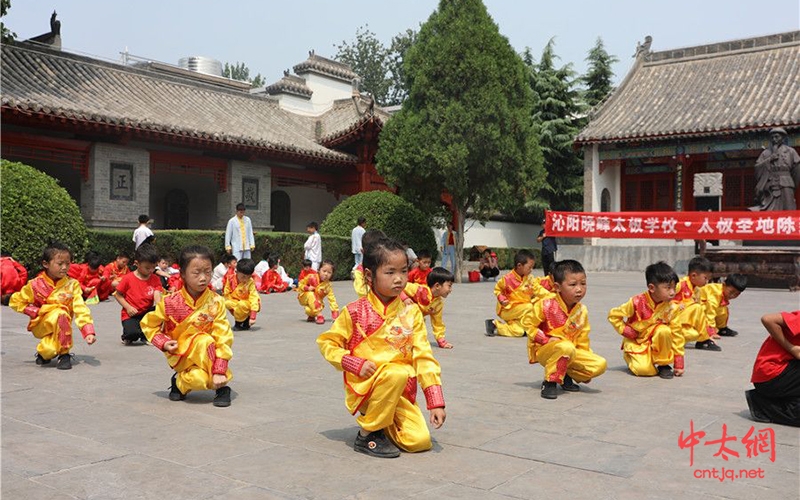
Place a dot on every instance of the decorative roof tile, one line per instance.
(325, 66)
(290, 84)
(735, 86)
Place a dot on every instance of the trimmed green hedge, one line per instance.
(288, 245)
(35, 210)
(505, 256)
(386, 211)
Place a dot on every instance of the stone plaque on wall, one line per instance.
(707, 184)
(250, 193)
(121, 181)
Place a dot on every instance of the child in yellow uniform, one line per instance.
(369, 237)
(648, 322)
(561, 342)
(430, 299)
(545, 287)
(313, 289)
(52, 300)
(381, 345)
(191, 327)
(691, 313)
(241, 295)
(716, 297)
(514, 293)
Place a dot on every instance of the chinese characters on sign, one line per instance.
(250, 193)
(774, 225)
(121, 181)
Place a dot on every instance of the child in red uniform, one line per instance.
(776, 373)
(89, 275)
(113, 273)
(137, 293)
(271, 280)
(307, 269)
(13, 276)
(419, 274)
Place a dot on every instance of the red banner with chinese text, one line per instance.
(783, 225)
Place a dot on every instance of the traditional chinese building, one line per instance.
(186, 147)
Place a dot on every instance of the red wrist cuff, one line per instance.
(352, 364)
(502, 298)
(253, 315)
(629, 333)
(31, 310)
(334, 315)
(87, 329)
(159, 340)
(679, 362)
(434, 396)
(220, 366)
(540, 337)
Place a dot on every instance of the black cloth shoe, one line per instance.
(246, 324)
(569, 385)
(41, 361)
(126, 341)
(665, 372)
(549, 390)
(491, 330)
(707, 345)
(755, 413)
(64, 362)
(376, 444)
(175, 394)
(727, 332)
(237, 326)
(222, 398)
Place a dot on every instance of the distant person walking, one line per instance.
(239, 239)
(549, 249)
(355, 239)
(313, 245)
(448, 247)
(142, 232)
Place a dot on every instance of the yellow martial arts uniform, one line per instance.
(648, 330)
(544, 288)
(518, 313)
(51, 307)
(431, 306)
(241, 299)
(310, 293)
(715, 306)
(570, 353)
(203, 333)
(693, 326)
(393, 337)
(359, 283)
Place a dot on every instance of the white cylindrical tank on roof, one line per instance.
(201, 64)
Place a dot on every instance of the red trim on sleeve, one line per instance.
(31, 310)
(501, 298)
(220, 366)
(434, 396)
(159, 340)
(629, 333)
(88, 329)
(352, 364)
(253, 315)
(540, 337)
(679, 362)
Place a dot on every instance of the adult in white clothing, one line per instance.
(313, 245)
(239, 239)
(355, 239)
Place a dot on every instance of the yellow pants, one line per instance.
(387, 409)
(657, 351)
(721, 317)
(239, 308)
(518, 320)
(312, 305)
(195, 367)
(54, 330)
(563, 358)
(694, 327)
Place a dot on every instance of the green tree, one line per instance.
(465, 128)
(556, 112)
(599, 74)
(398, 88)
(239, 71)
(368, 58)
(6, 35)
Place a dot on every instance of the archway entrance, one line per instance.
(281, 210)
(176, 210)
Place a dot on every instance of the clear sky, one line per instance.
(270, 36)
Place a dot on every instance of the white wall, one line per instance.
(308, 204)
(326, 90)
(497, 234)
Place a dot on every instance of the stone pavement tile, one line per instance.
(393, 482)
(30, 450)
(463, 492)
(140, 477)
(324, 435)
(562, 482)
(38, 400)
(20, 488)
(252, 493)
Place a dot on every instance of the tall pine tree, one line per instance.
(599, 75)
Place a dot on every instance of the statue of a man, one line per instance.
(777, 174)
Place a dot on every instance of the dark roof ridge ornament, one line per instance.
(55, 24)
(643, 49)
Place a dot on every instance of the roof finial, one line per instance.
(643, 48)
(55, 25)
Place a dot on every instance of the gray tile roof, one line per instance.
(62, 85)
(344, 117)
(319, 64)
(726, 87)
(289, 84)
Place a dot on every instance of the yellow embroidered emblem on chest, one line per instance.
(400, 334)
(204, 322)
(64, 298)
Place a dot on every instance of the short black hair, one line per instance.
(123, 253)
(700, 264)
(53, 248)
(314, 225)
(240, 206)
(272, 260)
(370, 237)
(378, 253)
(328, 262)
(146, 253)
(361, 220)
(246, 266)
(93, 259)
(144, 218)
(737, 281)
(561, 268)
(522, 257)
(307, 263)
(228, 258)
(660, 273)
(188, 254)
(424, 254)
(440, 275)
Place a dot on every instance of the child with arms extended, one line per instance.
(137, 293)
(561, 343)
(312, 289)
(430, 299)
(52, 300)
(514, 293)
(191, 327)
(381, 345)
(648, 323)
(241, 296)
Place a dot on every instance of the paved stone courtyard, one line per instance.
(106, 430)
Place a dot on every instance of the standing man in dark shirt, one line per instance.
(549, 249)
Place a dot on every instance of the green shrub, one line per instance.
(505, 256)
(171, 242)
(35, 210)
(386, 211)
